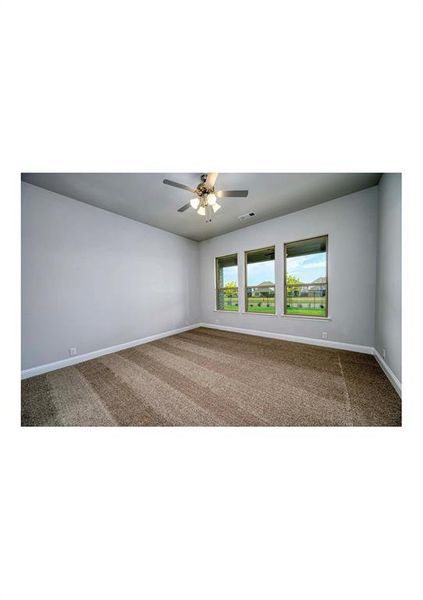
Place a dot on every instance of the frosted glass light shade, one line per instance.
(194, 203)
(215, 207)
(211, 199)
(201, 211)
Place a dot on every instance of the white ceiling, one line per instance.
(143, 196)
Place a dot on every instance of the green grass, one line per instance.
(230, 307)
(316, 312)
(253, 305)
(261, 309)
(254, 308)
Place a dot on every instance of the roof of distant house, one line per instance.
(265, 284)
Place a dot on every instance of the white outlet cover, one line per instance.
(72, 351)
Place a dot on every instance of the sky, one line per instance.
(306, 268)
(257, 273)
(260, 272)
(230, 274)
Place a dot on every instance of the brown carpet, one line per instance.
(211, 377)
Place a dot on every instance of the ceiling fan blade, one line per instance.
(211, 180)
(184, 207)
(232, 194)
(179, 185)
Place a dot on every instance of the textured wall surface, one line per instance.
(388, 291)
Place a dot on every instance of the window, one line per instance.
(227, 282)
(306, 284)
(260, 281)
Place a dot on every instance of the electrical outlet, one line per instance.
(383, 353)
(72, 351)
(324, 335)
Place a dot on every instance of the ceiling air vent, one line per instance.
(247, 216)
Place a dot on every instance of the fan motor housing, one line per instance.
(202, 190)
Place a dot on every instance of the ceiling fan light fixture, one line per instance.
(205, 195)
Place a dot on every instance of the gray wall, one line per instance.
(388, 290)
(351, 222)
(92, 279)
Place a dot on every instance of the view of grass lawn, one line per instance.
(261, 309)
(228, 306)
(231, 304)
(261, 305)
(316, 312)
(254, 305)
(308, 305)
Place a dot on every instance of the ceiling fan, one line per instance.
(204, 201)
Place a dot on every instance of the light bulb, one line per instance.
(215, 207)
(211, 199)
(201, 211)
(194, 203)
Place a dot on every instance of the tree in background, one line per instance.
(230, 291)
(292, 281)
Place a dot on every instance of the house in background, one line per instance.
(318, 286)
(266, 287)
(186, 299)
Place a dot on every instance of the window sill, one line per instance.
(247, 312)
(309, 318)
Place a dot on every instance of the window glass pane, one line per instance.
(306, 277)
(260, 280)
(227, 282)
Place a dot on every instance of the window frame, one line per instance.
(246, 286)
(314, 237)
(217, 288)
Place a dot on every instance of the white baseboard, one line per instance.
(60, 364)
(295, 338)
(388, 372)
